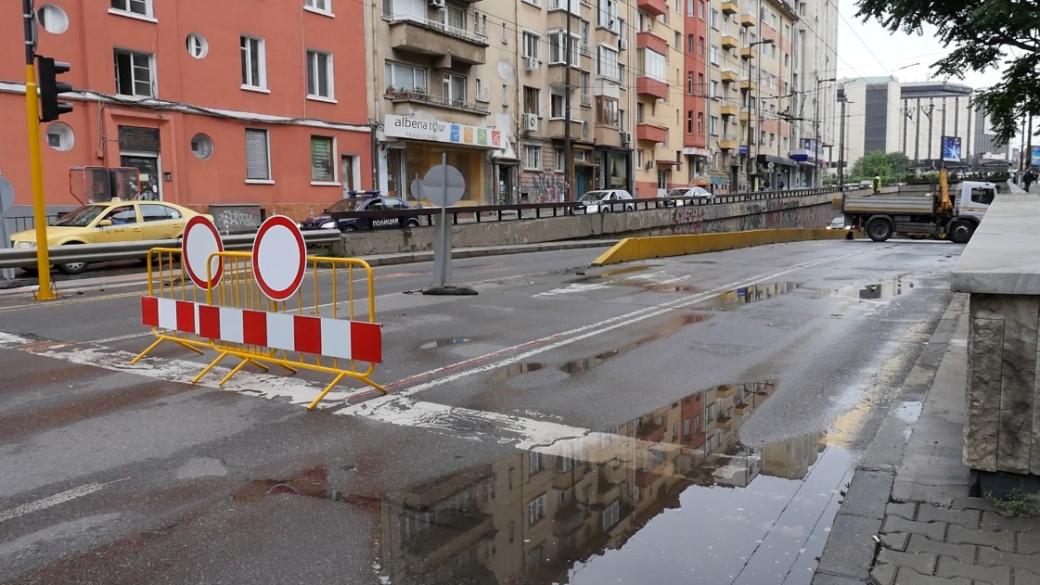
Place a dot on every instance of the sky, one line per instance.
(866, 49)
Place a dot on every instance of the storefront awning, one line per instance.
(666, 163)
(776, 160)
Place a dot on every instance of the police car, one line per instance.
(338, 216)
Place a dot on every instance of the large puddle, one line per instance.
(671, 496)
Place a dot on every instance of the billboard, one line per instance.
(1034, 157)
(951, 148)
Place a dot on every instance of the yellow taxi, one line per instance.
(111, 221)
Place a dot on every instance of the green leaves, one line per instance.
(892, 166)
(981, 35)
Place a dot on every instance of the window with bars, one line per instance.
(134, 75)
(258, 158)
(319, 75)
(254, 66)
(323, 165)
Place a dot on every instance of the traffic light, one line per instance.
(51, 88)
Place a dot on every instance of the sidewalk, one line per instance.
(916, 523)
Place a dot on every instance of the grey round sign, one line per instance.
(444, 188)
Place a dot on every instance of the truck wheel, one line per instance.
(879, 229)
(961, 231)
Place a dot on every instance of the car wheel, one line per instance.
(72, 267)
(879, 229)
(604, 209)
(630, 208)
(348, 229)
(961, 231)
(413, 223)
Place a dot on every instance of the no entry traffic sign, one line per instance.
(201, 240)
(279, 258)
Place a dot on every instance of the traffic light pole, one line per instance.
(32, 118)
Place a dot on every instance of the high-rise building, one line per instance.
(699, 88)
(814, 105)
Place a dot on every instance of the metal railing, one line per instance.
(437, 26)
(26, 257)
(402, 95)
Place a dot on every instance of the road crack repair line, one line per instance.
(397, 408)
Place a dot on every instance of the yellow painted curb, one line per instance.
(643, 248)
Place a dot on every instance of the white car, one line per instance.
(838, 223)
(606, 200)
(685, 195)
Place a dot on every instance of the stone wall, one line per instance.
(807, 211)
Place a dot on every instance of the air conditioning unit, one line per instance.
(529, 123)
(530, 63)
(622, 43)
(584, 129)
(437, 3)
(626, 137)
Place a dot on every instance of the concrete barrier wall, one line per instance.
(808, 211)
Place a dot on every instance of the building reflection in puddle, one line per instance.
(578, 512)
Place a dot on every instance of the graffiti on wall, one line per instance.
(543, 187)
(769, 214)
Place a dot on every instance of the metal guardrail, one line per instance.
(19, 257)
(518, 211)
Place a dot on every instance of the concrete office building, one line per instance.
(873, 119)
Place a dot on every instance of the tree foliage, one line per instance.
(982, 34)
(892, 166)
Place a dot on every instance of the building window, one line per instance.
(713, 53)
(322, 6)
(60, 136)
(134, 73)
(138, 7)
(455, 16)
(689, 44)
(654, 64)
(258, 155)
(201, 146)
(611, 515)
(197, 45)
(606, 111)
(714, 19)
(689, 83)
(559, 164)
(534, 461)
(53, 18)
(640, 113)
(483, 91)
(531, 41)
(701, 41)
(404, 77)
(689, 121)
(700, 123)
(532, 157)
(608, 15)
(319, 75)
(535, 510)
(678, 41)
(586, 89)
(254, 63)
(585, 35)
(531, 104)
(323, 155)
(557, 107)
(607, 64)
(558, 48)
(454, 88)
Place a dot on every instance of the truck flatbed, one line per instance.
(890, 203)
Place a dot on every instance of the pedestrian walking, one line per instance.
(1028, 178)
(780, 184)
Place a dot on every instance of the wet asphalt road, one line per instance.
(691, 419)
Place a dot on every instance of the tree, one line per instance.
(892, 166)
(982, 34)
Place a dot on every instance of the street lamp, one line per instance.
(816, 131)
(751, 96)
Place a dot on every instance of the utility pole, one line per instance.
(816, 133)
(1022, 148)
(567, 146)
(841, 144)
(32, 118)
(931, 108)
(751, 97)
(1029, 142)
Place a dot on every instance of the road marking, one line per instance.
(120, 337)
(56, 499)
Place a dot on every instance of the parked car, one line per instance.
(606, 200)
(681, 196)
(838, 223)
(112, 221)
(336, 216)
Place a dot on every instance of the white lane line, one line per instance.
(575, 335)
(121, 337)
(56, 499)
(297, 391)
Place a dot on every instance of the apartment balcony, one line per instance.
(651, 133)
(730, 76)
(429, 37)
(654, 7)
(557, 127)
(730, 8)
(745, 117)
(728, 111)
(650, 87)
(401, 96)
(727, 144)
(724, 391)
(608, 136)
(747, 85)
(648, 40)
(747, 20)
(747, 53)
(730, 42)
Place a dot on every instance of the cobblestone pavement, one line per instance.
(914, 522)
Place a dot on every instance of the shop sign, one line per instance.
(414, 128)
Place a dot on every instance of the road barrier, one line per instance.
(261, 308)
(643, 248)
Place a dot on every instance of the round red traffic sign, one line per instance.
(200, 241)
(279, 258)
